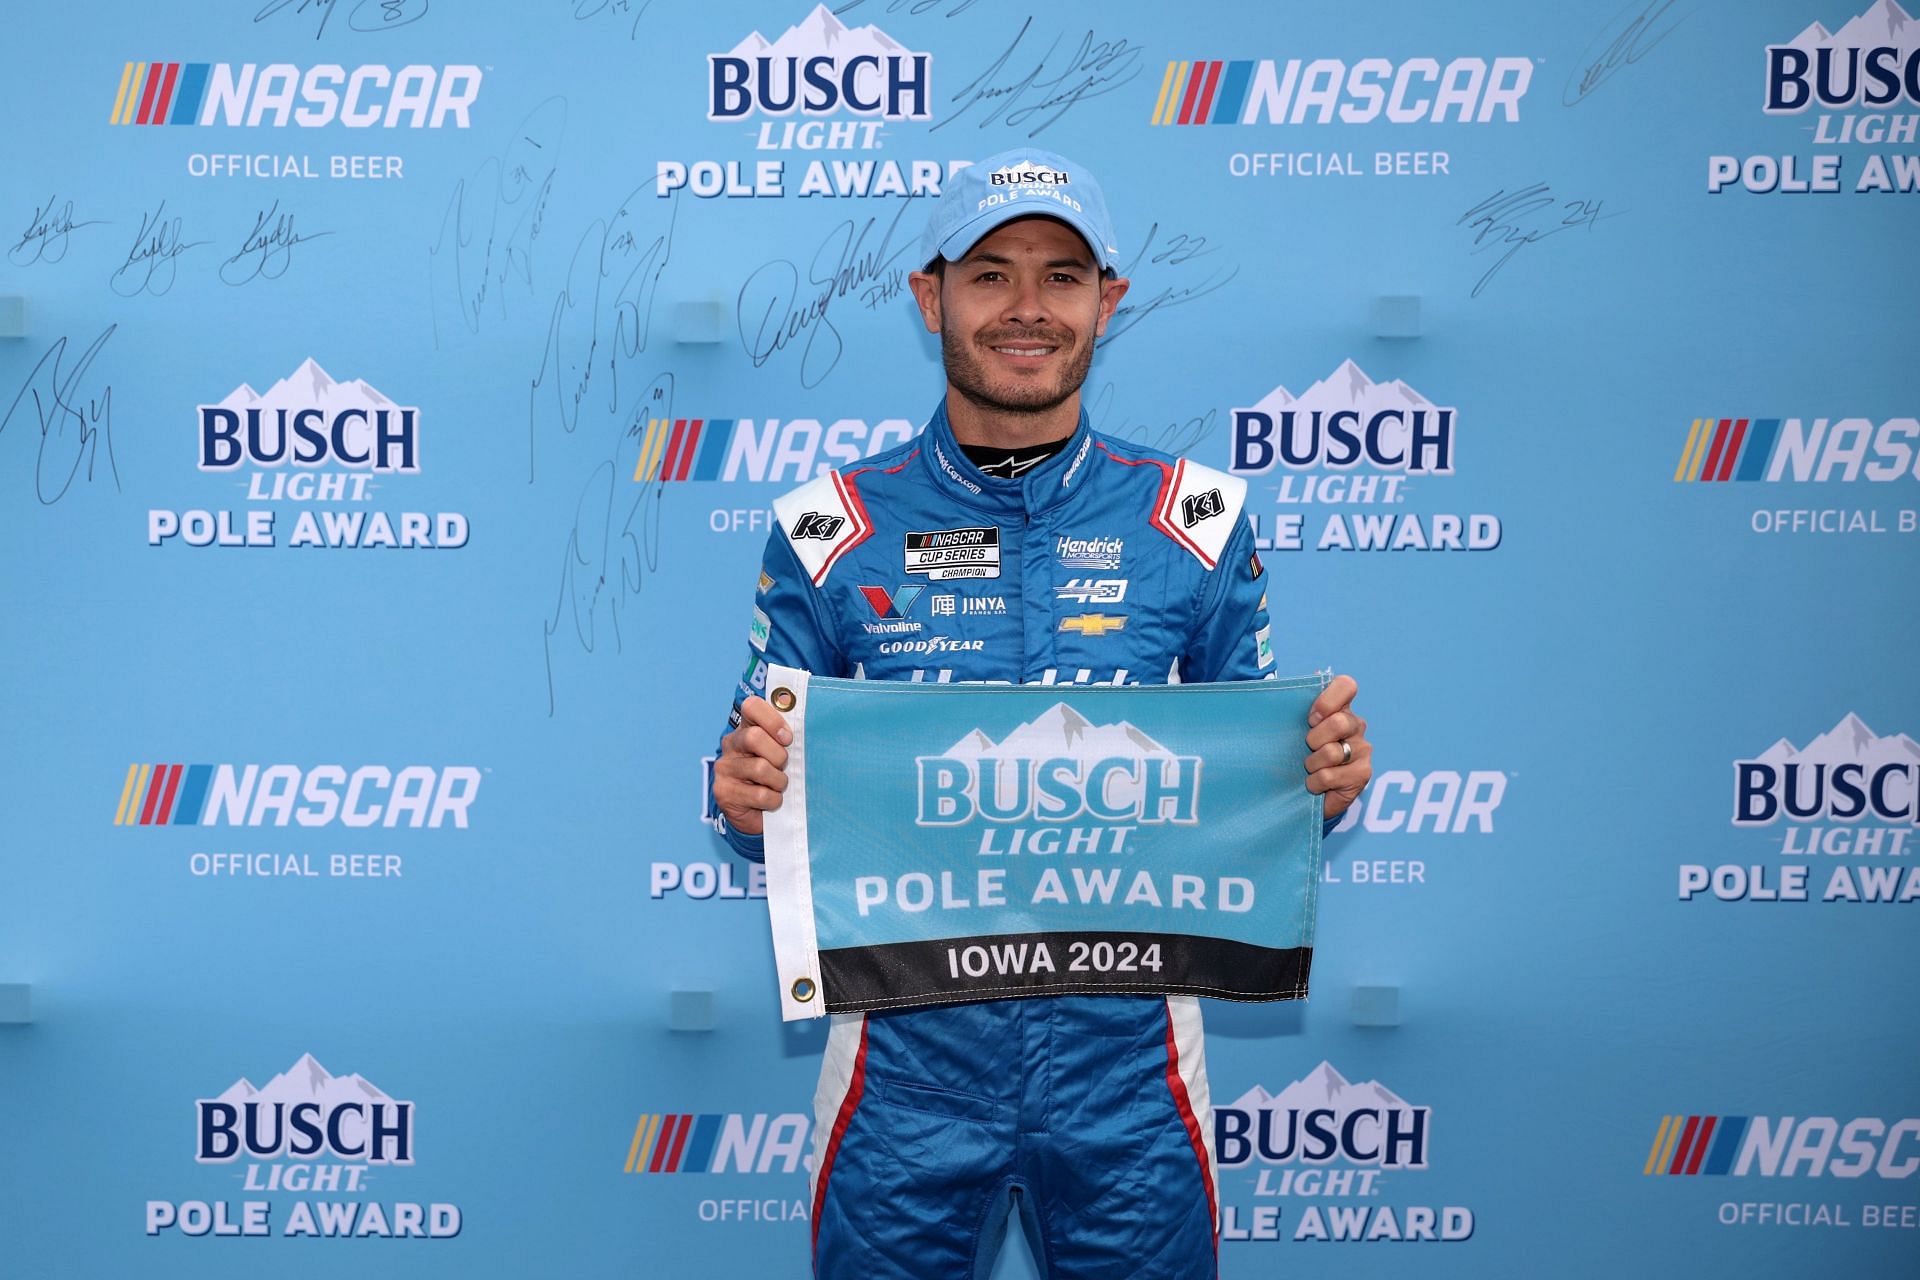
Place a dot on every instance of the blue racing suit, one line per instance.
(1107, 563)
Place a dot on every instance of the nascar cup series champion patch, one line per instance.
(940, 843)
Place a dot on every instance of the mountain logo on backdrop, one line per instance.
(1818, 451)
(820, 86)
(821, 67)
(1838, 814)
(1855, 86)
(1319, 1144)
(329, 1140)
(1353, 444)
(328, 447)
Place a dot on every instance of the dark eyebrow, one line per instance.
(996, 260)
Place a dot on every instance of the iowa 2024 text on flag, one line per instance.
(940, 843)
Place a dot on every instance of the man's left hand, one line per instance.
(1339, 759)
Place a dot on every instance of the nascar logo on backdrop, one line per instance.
(1795, 1147)
(210, 796)
(1796, 451)
(1321, 1140)
(725, 1143)
(845, 84)
(1345, 442)
(1329, 91)
(1399, 803)
(1862, 81)
(279, 95)
(1841, 811)
(332, 1140)
(319, 443)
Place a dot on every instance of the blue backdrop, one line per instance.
(369, 776)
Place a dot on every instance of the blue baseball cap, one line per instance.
(1018, 184)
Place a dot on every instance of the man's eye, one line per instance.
(990, 276)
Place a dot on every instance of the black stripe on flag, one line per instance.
(991, 966)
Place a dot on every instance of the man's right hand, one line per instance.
(752, 769)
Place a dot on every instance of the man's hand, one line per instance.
(752, 769)
(1340, 759)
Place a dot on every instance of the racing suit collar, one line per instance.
(953, 474)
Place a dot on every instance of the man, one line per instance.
(1043, 553)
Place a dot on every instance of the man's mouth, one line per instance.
(1024, 350)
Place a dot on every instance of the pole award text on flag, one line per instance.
(939, 843)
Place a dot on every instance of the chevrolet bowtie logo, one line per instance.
(1094, 624)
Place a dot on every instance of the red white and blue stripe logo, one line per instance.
(1688, 1145)
(160, 92)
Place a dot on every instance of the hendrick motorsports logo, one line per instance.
(1324, 1139)
(1818, 451)
(820, 86)
(1841, 811)
(327, 446)
(1887, 1150)
(1863, 84)
(1350, 442)
(313, 1134)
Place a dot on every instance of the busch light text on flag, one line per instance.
(968, 842)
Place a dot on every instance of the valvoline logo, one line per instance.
(279, 94)
(820, 67)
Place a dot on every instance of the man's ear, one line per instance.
(926, 293)
(1111, 291)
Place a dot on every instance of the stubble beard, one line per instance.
(966, 375)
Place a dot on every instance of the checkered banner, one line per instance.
(940, 843)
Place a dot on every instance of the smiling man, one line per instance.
(1010, 542)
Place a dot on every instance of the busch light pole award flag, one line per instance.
(967, 842)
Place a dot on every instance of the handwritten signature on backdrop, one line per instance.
(75, 420)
